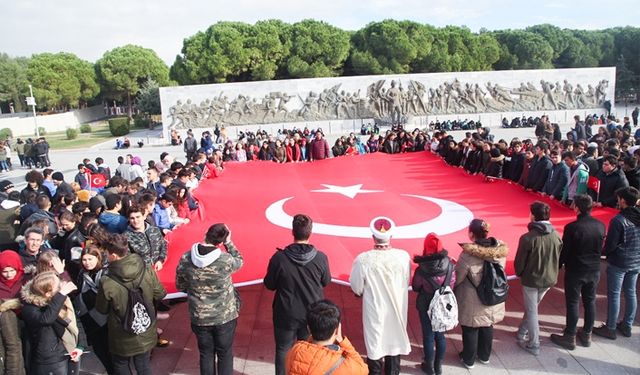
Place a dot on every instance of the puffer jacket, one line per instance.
(622, 244)
(204, 273)
(538, 257)
(45, 327)
(11, 361)
(471, 311)
(150, 244)
(113, 299)
(306, 358)
(435, 267)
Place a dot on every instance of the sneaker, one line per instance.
(162, 343)
(604, 331)
(483, 361)
(624, 329)
(535, 350)
(465, 364)
(522, 336)
(584, 338)
(427, 368)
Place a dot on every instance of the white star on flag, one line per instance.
(347, 191)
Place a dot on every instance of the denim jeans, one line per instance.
(575, 285)
(529, 324)
(428, 338)
(141, 362)
(285, 338)
(216, 341)
(620, 280)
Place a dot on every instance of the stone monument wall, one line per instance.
(343, 103)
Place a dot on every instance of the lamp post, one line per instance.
(32, 102)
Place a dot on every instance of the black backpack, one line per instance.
(493, 288)
(138, 317)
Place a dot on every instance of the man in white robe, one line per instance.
(381, 277)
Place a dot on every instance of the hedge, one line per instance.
(119, 126)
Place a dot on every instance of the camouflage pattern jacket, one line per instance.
(204, 273)
(150, 244)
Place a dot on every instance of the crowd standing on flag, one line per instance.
(79, 258)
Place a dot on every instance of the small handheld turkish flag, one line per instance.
(98, 180)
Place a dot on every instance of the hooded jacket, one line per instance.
(622, 245)
(114, 223)
(471, 311)
(45, 327)
(113, 298)
(298, 275)
(40, 214)
(557, 180)
(308, 358)
(538, 256)
(150, 244)
(434, 267)
(204, 274)
(609, 183)
(11, 361)
(633, 177)
(578, 178)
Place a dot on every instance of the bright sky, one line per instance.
(90, 28)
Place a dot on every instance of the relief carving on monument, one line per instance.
(392, 102)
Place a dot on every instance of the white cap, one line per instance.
(382, 228)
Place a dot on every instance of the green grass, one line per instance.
(99, 133)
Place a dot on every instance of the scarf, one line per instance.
(10, 258)
(70, 336)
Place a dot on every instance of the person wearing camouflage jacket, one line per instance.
(146, 240)
(204, 273)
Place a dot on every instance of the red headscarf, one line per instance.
(9, 258)
(432, 244)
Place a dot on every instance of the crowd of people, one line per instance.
(79, 260)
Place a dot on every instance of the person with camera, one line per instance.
(204, 274)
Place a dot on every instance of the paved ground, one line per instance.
(254, 345)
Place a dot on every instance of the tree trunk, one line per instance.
(129, 105)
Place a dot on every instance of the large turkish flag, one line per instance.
(418, 191)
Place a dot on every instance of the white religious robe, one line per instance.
(381, 277)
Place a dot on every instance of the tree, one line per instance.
(149, 98)
(270, 44)
(317, 50)
(523, 50)
(123, 70)
(626, 81)
(13, 80)
(62, 80)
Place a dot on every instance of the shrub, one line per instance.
(141, 122)
(42, 131)
(119, 126)
(85, 128)
(5, 133)
(72, 133)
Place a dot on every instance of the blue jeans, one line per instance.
(620, 280)
(216, 343)
(428, 337)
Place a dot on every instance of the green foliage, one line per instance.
(85, 128)
(5, 133)
(42, 131)
(141, 122)
(123, 70)
(523, 50)
(149, 98)
(72, 133)
(119, 126)
(62, 80)
(13, 80)
(317, 50)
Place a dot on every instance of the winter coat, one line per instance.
(592, 164)
(538, 173)
(435, 267)
(63, 189)
(538, 256)
(46, 327)
(8, 217)
(319, 149)
(85, 301)
(526, 168)
(471, 311)
(582, 245)
(11, 361)
(495, 166)
(578, 179)
(150, 244)
(113, 299)
(308, 358)
(633, 177)
(622, 244)
(516, 166)
(114, 223)
(40, 215)
(609, 183)
(40, 190)
(297, 274)
(557, 180)
(204, 274)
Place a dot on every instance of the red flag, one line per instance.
(418, 191)
(594, 184)
(98, 180)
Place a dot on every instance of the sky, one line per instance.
(90, 28)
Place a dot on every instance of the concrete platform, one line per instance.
(254, 346)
